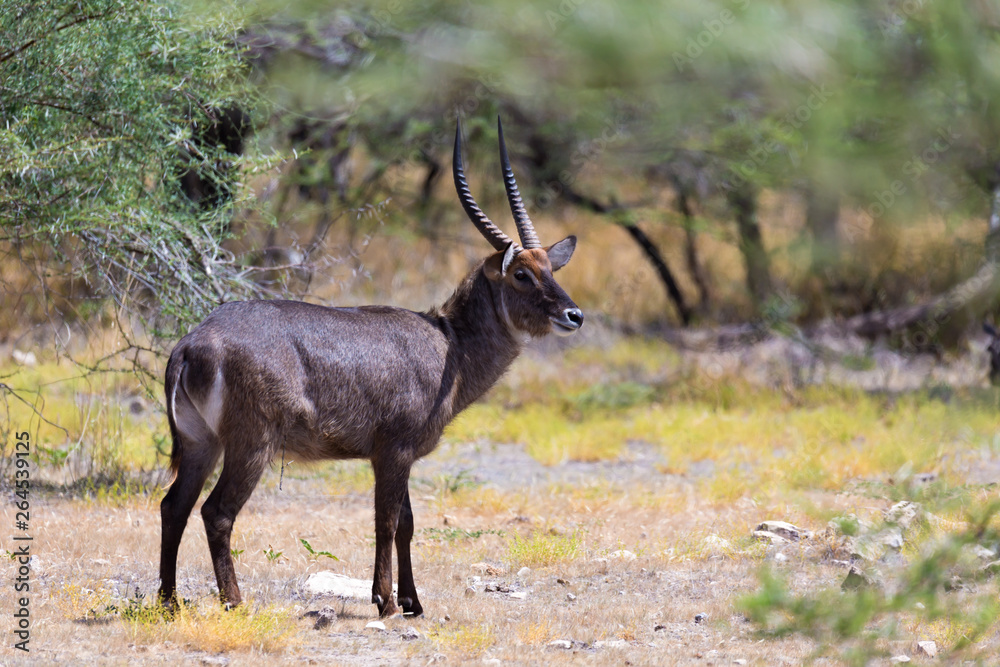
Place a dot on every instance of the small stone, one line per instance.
(698, 618)
(927, 648)
(24, 358)
(520, 595)
(570, 597)
(785, 530)
(449, 520)
(524, 572)
(560, 643)
(899, 658)
(375, 625)
(902, 514)
(769, 537)
(469, 591)
(410, 633)
(858, 579)
(780, 557)
(447, 617)
(486, 568)
(324, 617)
(564, 582)
(982, 553)
(219, 660)
(623, 554)
(658, 627)
(990, 568)
(715, 544)
(610, 643)
(739, 661)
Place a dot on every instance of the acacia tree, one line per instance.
(102, 101)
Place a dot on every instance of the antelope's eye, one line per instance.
(521, 275)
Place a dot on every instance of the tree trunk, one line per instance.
(691, 250)
(744, 203)
(822, 214)
(666, 277)
(993, 231)
(648, 247)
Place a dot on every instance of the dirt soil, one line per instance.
(644, 586)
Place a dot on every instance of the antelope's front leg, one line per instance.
(404, 534)
(391, 480)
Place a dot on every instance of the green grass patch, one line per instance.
(543, 549)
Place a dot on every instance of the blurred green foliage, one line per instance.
(103, 102)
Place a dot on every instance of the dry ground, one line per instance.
(95, 554)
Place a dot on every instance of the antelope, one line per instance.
(375, 382)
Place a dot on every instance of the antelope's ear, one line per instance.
(496, 266)
(559, 253)
(988, 328)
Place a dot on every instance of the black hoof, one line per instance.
(411, 607)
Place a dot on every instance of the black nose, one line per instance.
(574, 315)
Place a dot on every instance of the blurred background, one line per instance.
(803, 164)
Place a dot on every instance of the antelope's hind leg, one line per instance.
(241, 470)
(197, 461)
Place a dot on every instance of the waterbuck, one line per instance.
(261, 377)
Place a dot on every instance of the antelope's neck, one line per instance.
(481, 345)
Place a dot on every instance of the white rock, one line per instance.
(928, 648)
(561, 643)
(338, 585)
(739, 661)
(623, 554)
(24, 358)
(570, 597)
(779, 557)
(715, 544)
(769, 537)
(524, 572)
(520, 595)
(375, 625)
(981, 552)
(610, 643)
(902, 513)
(410, 634)
(785, 530)
(899, 658)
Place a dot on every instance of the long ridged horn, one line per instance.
(526, 230)
(497, 238)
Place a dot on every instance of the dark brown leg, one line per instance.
(404, 533)
(236, 483)
(391, 478)
(175, 508)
